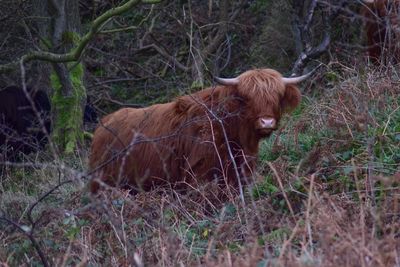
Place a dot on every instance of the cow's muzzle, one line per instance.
(266, 123)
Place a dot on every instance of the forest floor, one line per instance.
(330, 197)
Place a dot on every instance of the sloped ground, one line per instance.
(330, 197)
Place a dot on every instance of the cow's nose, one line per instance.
(267, 123)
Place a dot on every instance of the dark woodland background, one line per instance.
(330, 190)
(161, 51)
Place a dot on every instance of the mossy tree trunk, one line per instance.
(69, 93)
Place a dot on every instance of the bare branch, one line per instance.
(129, 28)
(310, 14)
(76, 52)
(162, 51)
(304, 43)
(223, 26)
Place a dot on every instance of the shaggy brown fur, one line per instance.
(186, 141)
(382, 29)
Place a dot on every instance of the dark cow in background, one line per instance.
(382, 27)
(213, 134)
(20, 127)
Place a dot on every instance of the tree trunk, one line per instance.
(69, 94)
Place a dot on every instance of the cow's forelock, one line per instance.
(264, 89)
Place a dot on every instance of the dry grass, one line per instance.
(331, 197)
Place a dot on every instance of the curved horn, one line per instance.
(227, 81)
(298, 79)
(368, 1)
(295, 80)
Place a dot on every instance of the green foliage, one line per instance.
(229, 210)
(341, 154)
(19, 249)
(234, 246)
(266, 187)
(294, 149)
(100, 72)
(386, 137)
(71, 227)
(332, 76)
(197, 235)
(276, 238)
(197, 85)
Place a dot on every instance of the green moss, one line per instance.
(67, 132)
(70, 37)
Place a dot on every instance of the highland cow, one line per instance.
(382, 28)
(212, 134)
(20, 128)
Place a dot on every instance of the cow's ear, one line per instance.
(292, 97)
(196, 102)
(182, 104)
(187, 104)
